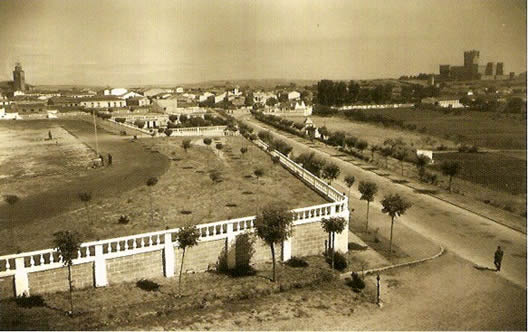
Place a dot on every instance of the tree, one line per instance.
(271, 101)
(386, 152)
(349, 180)
(215, 176)
(207, 141)
(331, 172)
(259, 172)
(243, 150)
(450, 168)
(400, 154)
(368, 191)
(86, 197)
(11, 200)
(186, 144)
(273, 225)
(394, 206)
(168, 132)
(187, 237)
(151, 182)
(332, 226)
(68, 244)
(275, 159)
(219, 146)
(421, 162)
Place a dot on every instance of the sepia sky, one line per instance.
(147, 42)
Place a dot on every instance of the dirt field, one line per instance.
(28, 157)
(184, 194)
(375, 134)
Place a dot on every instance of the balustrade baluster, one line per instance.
(79, 253)
(8, 266)
(31, 261)
(41, 260)
(52, 259)
(126, 245)
(142, 242)
(134, 243)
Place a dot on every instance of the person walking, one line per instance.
(50, 136)
(109, 159)
(102, 159)
(498, 258)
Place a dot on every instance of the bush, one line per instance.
(356, 283)
(340, 261)
(120, 120)
(297, 262)
(326, 275)
(219, 146)
(148, 285)
(30, 301)
(123, 220)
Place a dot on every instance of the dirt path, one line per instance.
(470, 236)
(132, 165)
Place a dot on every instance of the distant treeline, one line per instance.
(337, 93)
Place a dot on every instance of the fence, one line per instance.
(100, 256)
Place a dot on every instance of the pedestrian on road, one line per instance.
(498, 258)
(102, 159)
(109, 159)
(49, 135)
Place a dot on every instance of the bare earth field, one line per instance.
(27, 156)
(184, 194)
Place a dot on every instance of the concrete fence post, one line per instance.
(21, 278)
(286, 249)
(101, 279)
(168, 256)
(231, 247)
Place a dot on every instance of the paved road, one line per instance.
(470, 236)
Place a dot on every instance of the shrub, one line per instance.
(326, 276)
(123, 220)
(148, 285)
(356, 283)
(340, 262)
(297, 262)
(30, 301)
(219, 146)
(120, 120)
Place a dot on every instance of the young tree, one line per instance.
(151, 182)
(86, 197)
(186, 144)
(259, 172)
(386, 152)
(368, 190)
(168, 132)
(187, 237)
(219, 146)
(394, 206)
(421, 163)
(450, 168)
(332, 226)
(275, 160)
(68, 244)
(349, 180)
(274, 225)
(400, 155)
(243, 150)
(11, 200)
(331, 172)
(207, 141)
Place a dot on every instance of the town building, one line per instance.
(472, 70)
(19, 79)
(102, 102)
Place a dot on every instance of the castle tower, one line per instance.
(19, 80)
(500, 68)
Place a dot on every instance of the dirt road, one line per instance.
(470, 236)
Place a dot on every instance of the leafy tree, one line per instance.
(243, 150)
(368, 191)
(68, 244)
(151, 182)
(332, 226)
(86, 197)
(386, 153)
(331, 172)
(394, 206)
(451, 169)
(274, 225)
(349, 180)
(271, 101)
(168, 132)
(173, 117)
(187, 237)
(219, 146)
(139, 123)
(11, 200)
(186, 144)
(421, 163)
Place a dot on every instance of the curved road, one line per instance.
(466, 234)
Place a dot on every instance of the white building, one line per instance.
(8, 116)
(130, 94)
(450, 103)
(205, 96)
(179, 90)
(220, 98)
(103, 102)
(115, 92)
(294, 95)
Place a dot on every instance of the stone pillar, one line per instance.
(21, 278)
(286, 249)
(230, 247)
(168, 256)
(101, 279)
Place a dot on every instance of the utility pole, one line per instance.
(95, 130)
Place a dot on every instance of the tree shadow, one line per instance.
(484, 268)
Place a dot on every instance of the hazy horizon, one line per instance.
(129, 43)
